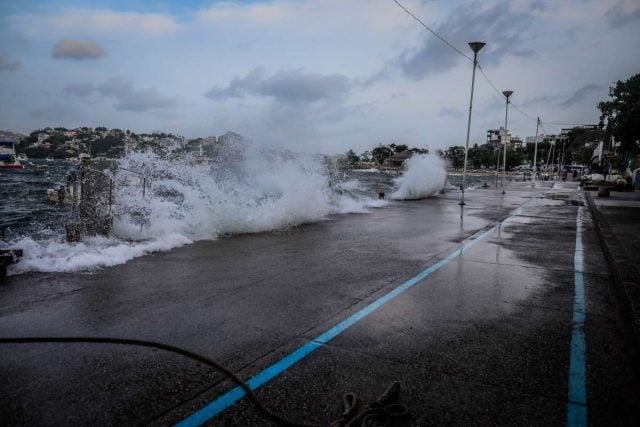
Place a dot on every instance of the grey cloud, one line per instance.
(128, 98)
(502, 28)
(451, 112)
(76, 49)
(239, 86)
(126, 95)
(286, 87)
(617, 16)
(81, 90)
(583, 94)
(541, 101)
(7, 65)
(538, 6)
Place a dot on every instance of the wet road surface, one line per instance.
(484, 339)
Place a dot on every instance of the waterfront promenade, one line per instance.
(479, 314)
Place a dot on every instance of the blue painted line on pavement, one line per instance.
(577, 406)
(232, 396)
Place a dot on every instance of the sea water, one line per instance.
(163, 201)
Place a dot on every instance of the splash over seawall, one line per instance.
(426, 175)
(241, 189)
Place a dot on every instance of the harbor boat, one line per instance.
(22, 157)
(8, 159)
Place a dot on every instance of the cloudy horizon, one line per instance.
(317, 76)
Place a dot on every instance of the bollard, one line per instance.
(381, 196)
(72, 230)
(7, 257)
(603, 192)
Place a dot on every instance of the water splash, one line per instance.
(425, 176)
(164, 200)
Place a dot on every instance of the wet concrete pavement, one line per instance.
(484, 339)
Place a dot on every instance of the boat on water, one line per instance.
(22, 157)
(8, 159)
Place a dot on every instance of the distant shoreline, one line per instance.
(401, 168)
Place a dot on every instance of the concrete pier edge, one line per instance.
(626, 277)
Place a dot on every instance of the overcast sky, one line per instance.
(320, 75)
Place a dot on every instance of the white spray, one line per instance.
(243, 190)
(425, 177)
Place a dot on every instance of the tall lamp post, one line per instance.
(507, 94)
(535, 155)
(475, 47)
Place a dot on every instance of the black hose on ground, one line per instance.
(385, 411)
(181, 351)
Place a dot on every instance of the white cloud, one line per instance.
(93, 21)
(327, 15)
(269, 13)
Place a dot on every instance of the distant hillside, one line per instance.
(11, 136)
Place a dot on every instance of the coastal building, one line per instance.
(516, 143)
(42, 136)
(497, 137)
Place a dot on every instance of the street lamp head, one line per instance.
(476, 46)
(507, 93)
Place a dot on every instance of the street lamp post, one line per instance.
(535, 155)
(507, 94)
(475, 47)
(497, 164)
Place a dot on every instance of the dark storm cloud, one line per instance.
(584, 94)
(617, 16)
(286, 87)
(503, 29)
(77, 49)
(8, 65)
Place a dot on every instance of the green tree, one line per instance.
(57, 139)
(514, 158)
(455, 155)
(102, 146)
(581, 144)
(421, 150)
(381, 153)
(480, 156)
(366, 156)
(622, 113)
(352, 157)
